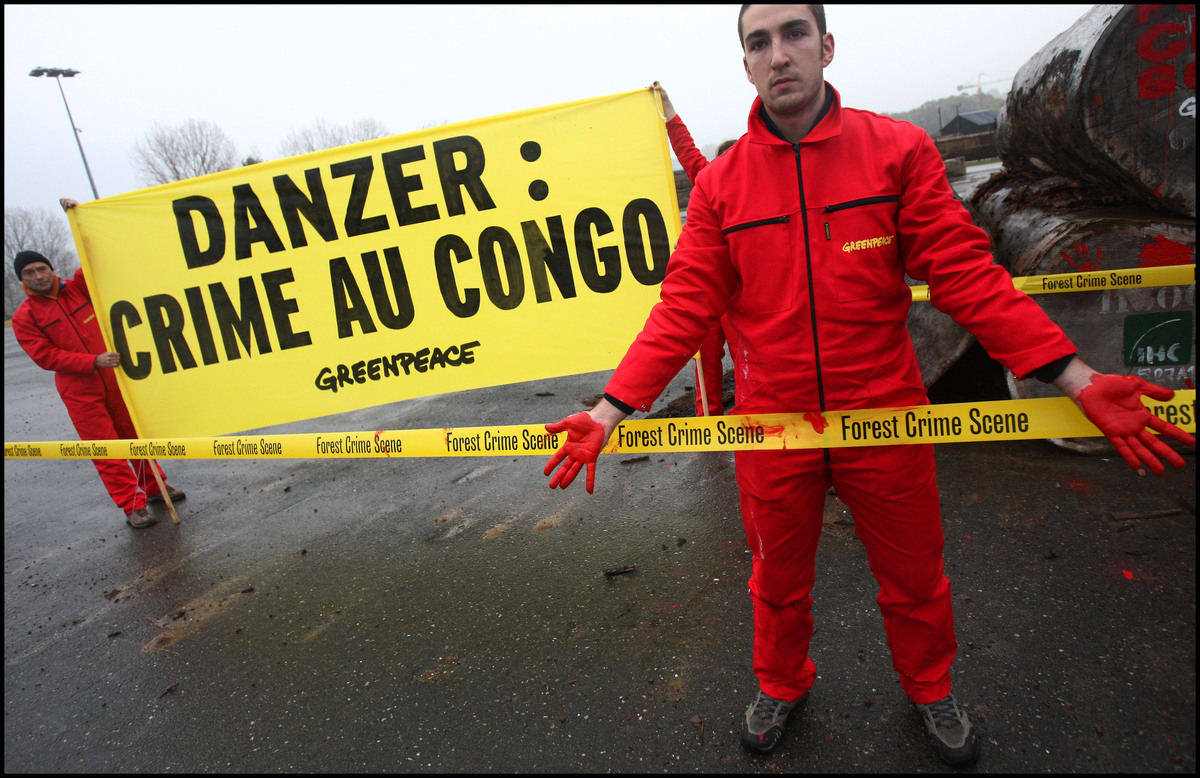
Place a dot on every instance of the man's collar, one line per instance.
(762, 112)
(51, 295)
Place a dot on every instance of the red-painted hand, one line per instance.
(1113, 403)
(585, 438)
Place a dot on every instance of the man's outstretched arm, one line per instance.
(1114, 404)
(587, 432)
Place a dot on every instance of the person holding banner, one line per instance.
(56, 326)
(800, 236)
(709, 380)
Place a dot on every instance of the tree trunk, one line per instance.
(1111, 102)
(938, 339)
(1148, 332)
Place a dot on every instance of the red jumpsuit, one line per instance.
(712, 350)
(60, 333)
(804, 248)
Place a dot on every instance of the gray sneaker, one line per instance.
(176, 495)
(765, 719)
(953, 736)
(140, 519)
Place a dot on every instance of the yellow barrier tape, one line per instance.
(1053, 417)
(1095, 281)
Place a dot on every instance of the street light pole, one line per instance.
(68, 73)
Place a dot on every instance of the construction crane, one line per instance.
(980, 83)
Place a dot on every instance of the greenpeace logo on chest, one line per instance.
(869, 243)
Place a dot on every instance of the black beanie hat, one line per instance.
(28, 258)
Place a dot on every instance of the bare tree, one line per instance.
(172, 153)
(320, 135)
(40, 230)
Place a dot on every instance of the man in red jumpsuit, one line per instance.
(800, 236)
(57, 327)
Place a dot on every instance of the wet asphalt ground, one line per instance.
(453, 615)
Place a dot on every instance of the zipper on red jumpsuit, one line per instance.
(812, 298)
(83, 342)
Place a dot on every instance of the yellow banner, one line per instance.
(1054, 417)
(523, 246)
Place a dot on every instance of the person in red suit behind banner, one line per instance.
(712, 349)
(56, 326)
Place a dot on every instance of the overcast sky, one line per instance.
(260, 72)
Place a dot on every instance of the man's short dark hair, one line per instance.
(818, 13)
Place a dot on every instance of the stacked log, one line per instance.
(939, 340)
(1111, 103)
(1097, 138)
